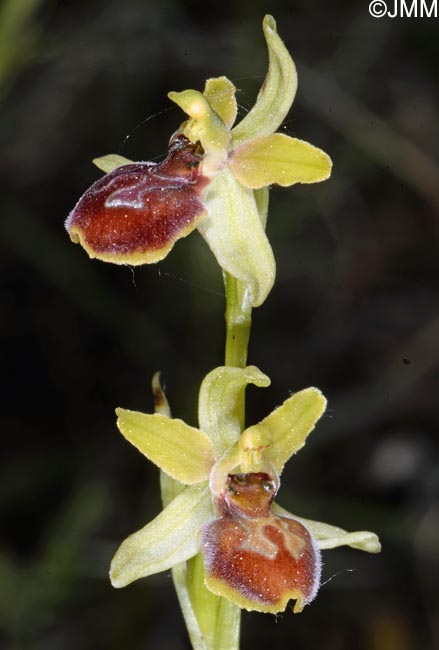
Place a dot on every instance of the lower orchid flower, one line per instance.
(255, 554)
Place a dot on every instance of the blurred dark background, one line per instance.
(354, 311)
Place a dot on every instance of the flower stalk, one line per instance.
(238, 322)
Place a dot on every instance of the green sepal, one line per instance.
(219, 403)
(236, 236)
(363, 540)
(277, 92)
(285, 430)
(277, 158)
(328, 536)
(110, 162)
(170, 538)
(183, 452)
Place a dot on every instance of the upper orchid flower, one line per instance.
(256, 555)
(215, 178)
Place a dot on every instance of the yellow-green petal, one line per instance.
(277, 92)
(172, 537)
(219, 397)
(236, 236)
(183, 452)
(277, 158)
(285, 430)
(111, 161)
(220, 93)
(328, 536)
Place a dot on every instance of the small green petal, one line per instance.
(236, 236)
(277, 92)
(220, 93)
(205, 126)
(287, 427)
(220, 394)
(110, 162)
(183, 452)
(279, 159)
(329, 536)
(172, 537)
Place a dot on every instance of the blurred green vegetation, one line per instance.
(19, 38)
(353, 311)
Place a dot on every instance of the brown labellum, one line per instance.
(137, 212)
(255, 558)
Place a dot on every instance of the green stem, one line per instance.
(238, 322)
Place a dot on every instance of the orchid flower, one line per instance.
(255, 554)
(215, 178)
